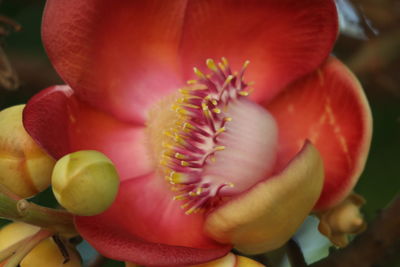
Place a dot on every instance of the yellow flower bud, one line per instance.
(47, 253)
(343, 220)
(231, 260)
(85, 182)
(25, 168)
(14, 232)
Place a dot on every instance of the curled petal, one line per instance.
(62, 124)
(266, 216)
(276, 36)
(328, 108)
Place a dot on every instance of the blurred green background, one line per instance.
(369, 45)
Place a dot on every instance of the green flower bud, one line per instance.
(25, 168)
(85, 182)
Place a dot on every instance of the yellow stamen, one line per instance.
(199, 73)
(216, 110)
(191, 210)
(229, 79)
(227, 119)
(180, 156)
(211, 65)
(184, 163)
(225, 61)
(179, 197)
(220, 130)
(190, 82)
(246, 64)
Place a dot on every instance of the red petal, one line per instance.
(61, 124)
(146, 226)
(329, 108)
(117, 55)
(283, 39)
(124, 60)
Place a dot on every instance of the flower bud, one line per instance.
(231, 260)
(85, 182)
(25, 168)
(14, 232)
(47, 253)
(342, 220)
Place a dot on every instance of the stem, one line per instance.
(27, 247)
(22, 210)
(295, 254)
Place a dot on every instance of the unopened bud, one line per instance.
(25, 168)
(14, 232)
(47, 253)
(342, 220)
(85, 182)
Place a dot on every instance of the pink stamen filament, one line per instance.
(194, 138)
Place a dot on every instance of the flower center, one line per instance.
(214, 142)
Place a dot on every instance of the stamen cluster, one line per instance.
(194, 139)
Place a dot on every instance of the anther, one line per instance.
(180, 156)
(219, 148)
(211, 65)
(199, 73)
(184, 163)
(216, 110)
(225, 61)
(246, 64)
(227, 119)
(190, 82)
(221, 130)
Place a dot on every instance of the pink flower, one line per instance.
(124, 61)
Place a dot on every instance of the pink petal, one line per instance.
(329, 108)
(119, 56)
(62, 124)
(282, 39)
(146, 226)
